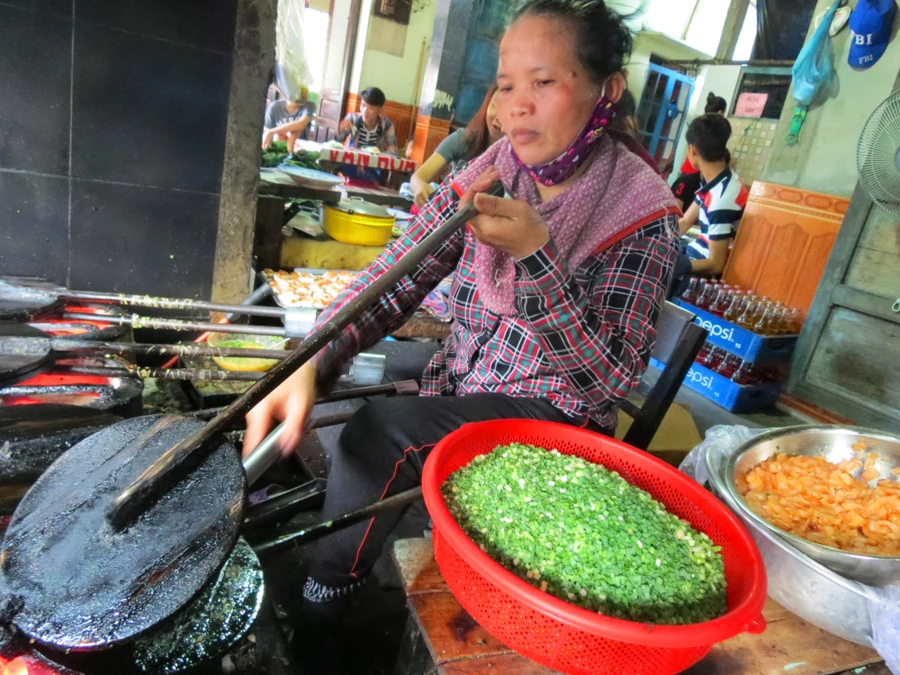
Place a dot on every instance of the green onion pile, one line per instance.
(584, 534)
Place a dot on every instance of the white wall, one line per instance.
(399, 74)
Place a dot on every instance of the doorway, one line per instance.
(663, 110)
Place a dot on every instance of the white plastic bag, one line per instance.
(292, 73)
(883, 603)
(719, 443)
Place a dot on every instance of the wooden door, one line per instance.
(342, 27)
(848, 357)
(784, 241)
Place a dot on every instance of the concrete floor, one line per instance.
(707, 414)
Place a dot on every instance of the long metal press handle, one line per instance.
(180, 459)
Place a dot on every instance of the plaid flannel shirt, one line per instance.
(580, 339)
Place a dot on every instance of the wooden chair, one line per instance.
(678, 341)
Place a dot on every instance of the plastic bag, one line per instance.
(292, 73)
(884, 610)
(814, 67)
(719, 443)
(883, 604)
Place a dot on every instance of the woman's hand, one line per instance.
(289, 403)
(510, 225)
(267, 138)
(422, 194)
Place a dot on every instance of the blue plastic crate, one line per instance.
(722, 391)
(741, 342)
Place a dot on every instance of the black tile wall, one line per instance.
(59, 7)
(35, 67)
(133, 205)
(148, 112)
(33, 225)
(202, 23)
(142, 240)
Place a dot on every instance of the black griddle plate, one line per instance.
(73, 583)
(22, 356)
(22, 303)
(32, 437)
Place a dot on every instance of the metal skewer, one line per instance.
(179, 324)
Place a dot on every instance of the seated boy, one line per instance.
(368, 128)
(288, 120)
(719, 203)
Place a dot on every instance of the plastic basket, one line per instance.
(560, 635)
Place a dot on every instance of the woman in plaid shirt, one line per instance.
(556, 289)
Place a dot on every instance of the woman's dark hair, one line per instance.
(709, 134)
(625, 119)
(373, 96)
(715, 104)
(602, 40)
(476, 133)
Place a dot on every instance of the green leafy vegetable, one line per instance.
(584, 534)
(277, 154)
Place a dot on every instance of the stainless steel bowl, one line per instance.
(799, 584)
(834, 443)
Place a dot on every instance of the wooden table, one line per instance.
(443, 639)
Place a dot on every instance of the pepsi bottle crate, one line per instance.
(756, 349)
(720, 390)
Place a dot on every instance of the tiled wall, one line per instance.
(112, 131)
(751, 146)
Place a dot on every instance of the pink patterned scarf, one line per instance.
(618, 191)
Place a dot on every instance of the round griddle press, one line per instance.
(131, 523)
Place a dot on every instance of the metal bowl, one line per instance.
(834, 443)
(796, 582)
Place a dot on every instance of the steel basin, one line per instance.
(834, 443)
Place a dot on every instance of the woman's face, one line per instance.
(545, 96)
(495, 131)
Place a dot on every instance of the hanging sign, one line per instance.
(750, 105)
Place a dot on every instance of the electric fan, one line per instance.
(878, 155)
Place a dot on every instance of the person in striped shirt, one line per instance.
(557, 288)
(719, 203)
(369, 128)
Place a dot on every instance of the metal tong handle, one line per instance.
(263, 456)
(179, 460)
(267, 452)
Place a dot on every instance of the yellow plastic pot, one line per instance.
(354, 221)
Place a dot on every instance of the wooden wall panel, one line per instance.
(784, 241)
(844, 361)
(875, 267)
(430, 131)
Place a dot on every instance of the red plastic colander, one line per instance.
(560, 635)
